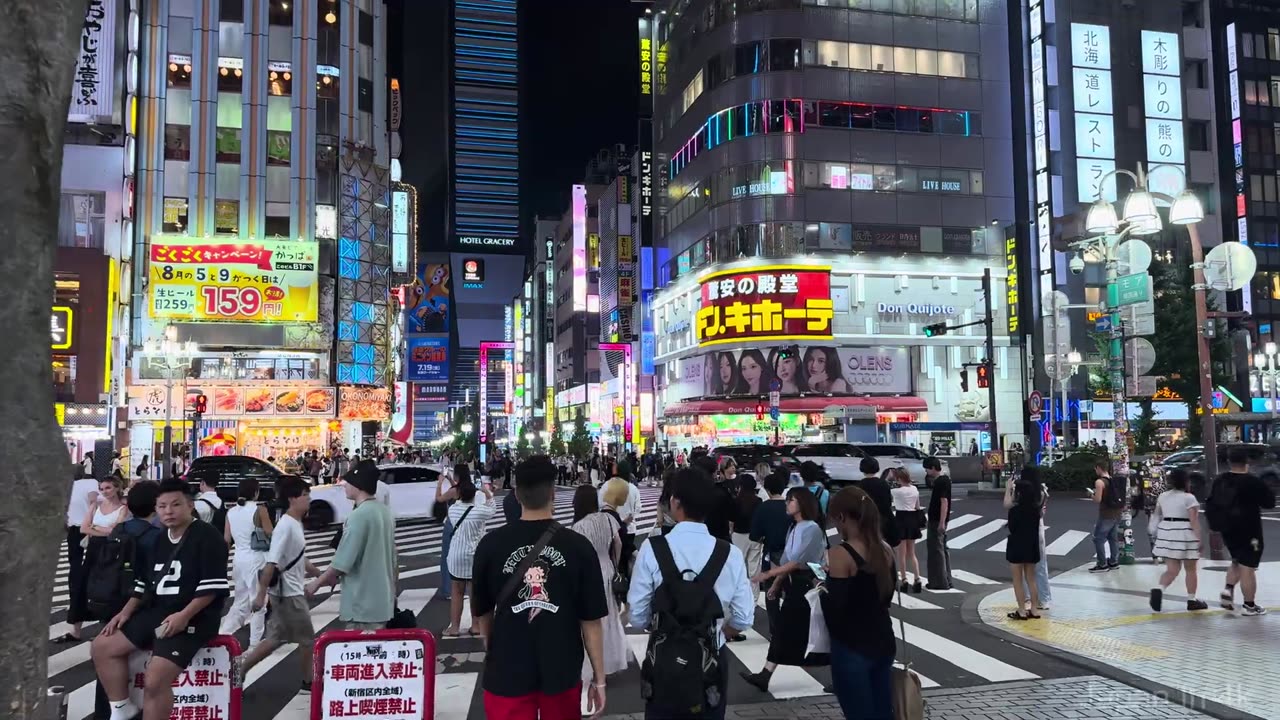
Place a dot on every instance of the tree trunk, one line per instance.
(38, 47)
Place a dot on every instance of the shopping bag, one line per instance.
(819, 640)
(908, 701)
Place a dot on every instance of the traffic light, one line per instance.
(759, 411)
(964, 381)
(935, 330)
(984, 376)
(202, 404)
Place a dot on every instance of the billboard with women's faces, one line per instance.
(805, 369)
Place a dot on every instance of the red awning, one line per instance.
(811, 404)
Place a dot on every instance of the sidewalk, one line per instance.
(1082, 698)
(1226, 663)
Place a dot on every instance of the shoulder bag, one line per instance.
(259, 540)
(908, 699)
(504, 596)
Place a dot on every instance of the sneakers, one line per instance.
(1099, 568)
(1113, 566)
(1197, 605)
(1227, 600)
(1044, 606)
(1253, 609)
(1157, 599)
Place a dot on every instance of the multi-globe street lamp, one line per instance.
(171, 356)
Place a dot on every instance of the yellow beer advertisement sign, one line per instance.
(233, 280)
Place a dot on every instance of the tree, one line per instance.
(1177, 358)
(557, 447)
(38, 45)
(469, 415)
(522, 444)
(580, 443)
(1144, 427)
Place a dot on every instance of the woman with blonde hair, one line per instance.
(105, 512)
(910, 519)
(622, 500)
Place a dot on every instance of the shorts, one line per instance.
(289, 621)
(353, 625)
(457, 579)
(1246, 551)
(179, 649)
(562, 706)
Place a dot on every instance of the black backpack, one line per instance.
(219, 519)
(110, 580)
(1113, 494)
(680, 675)
(1221, 509)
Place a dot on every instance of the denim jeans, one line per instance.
(1106, 535)
(864, 686)
(446, 539)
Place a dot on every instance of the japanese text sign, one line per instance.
(776, 302)
(206, 689)
(364, 403)
(210, 279)
(92, 84)
(387, 674)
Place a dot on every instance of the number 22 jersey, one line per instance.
(199, 568)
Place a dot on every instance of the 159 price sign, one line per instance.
(203, 279)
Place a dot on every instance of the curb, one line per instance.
(970, 615)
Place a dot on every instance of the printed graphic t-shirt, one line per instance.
(535, 642)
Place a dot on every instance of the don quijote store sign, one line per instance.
(765, 303)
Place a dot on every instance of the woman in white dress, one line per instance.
(243, 519)
(908, 515)
(1176, 527)
(105, 511)
(469, 517)
(601, 530)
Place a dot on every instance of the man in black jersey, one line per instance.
(174, 611)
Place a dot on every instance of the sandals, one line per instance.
(1015, 615)
(66, 639)
(450, 632)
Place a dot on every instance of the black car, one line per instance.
(226, 471)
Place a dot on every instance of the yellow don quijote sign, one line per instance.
(233, 281)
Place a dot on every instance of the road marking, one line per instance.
(1066, 542)
(453, 695)
(910, 602)
(299, 708)
(788, 681)
(969, 538)
(979, 664)
(972, 579)
(999, 547)
(924, 681)
(955, 523)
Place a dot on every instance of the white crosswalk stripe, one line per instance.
(973, 536)
(1066, 542)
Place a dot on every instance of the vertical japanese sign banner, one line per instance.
(1162, 106)
(385, 674)
(91, 87)
(772, 302)
(256, 281)
(1094, 111)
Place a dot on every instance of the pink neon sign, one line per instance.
(579, 248)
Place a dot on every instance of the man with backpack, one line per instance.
(1234, 508)
(1110, 494)
(130, 549)
(680, 587)
(209, 507)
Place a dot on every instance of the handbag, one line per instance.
(908, 698)
(819, 638)
(402, 619)
(259, 541)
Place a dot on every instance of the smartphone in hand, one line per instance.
(818, 571)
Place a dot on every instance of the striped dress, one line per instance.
(467, 534)
(1175, 540)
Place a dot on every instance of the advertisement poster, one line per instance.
(386, 679)
(402, 414)
(772, 302)
(803, 369)
(91, 86)
(428, 359)
(427, 300)
(208, 279)
(363, 403)
(146, 402)
(430, 392)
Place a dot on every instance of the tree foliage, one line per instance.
(38, 47)
(557, 447)
(580, 443)
(522, 444)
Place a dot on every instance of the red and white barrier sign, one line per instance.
(206, 690)
(387, 674)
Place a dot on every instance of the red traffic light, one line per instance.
(984, 376)
(760, 412)
(202, 404)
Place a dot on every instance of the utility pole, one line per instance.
(989, 326)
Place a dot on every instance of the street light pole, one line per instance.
(1208, 427)
(989, 326)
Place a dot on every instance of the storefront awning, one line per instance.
(813, 404)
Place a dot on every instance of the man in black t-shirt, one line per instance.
(878, 490)
(1235, 508)
(939, 559)
(174, 611)
(535, 636)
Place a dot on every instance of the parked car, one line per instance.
(413, 495)
(226, 471)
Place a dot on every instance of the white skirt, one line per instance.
(1175, 540)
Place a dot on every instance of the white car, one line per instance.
(842, 461)
(412, 488)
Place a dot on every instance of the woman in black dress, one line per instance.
(1022, 500)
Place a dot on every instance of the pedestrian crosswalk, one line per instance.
(270, 688)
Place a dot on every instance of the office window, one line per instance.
(231, 11)
(784, 54)
(175, 214)
(1198, 135)
(833, 114)
(885, 117)
(179, 72)
(904, 59)
(1273, 44)
(82, 219)
(885, 177)
(950, 64)
(750, 58)
(859, 56)
(1246, 44)
(691, 91)
(280, 12)
(1255, 188)
(833, 54)
(927, 62)
(882, 58)
(177, 142)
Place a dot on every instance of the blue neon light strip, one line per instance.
(468, 63)
(473, 143)
(485, 34)
(480, 101)
(484, 51)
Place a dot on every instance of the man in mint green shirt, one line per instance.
(366, 557)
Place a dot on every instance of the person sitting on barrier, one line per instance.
(174, 611)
